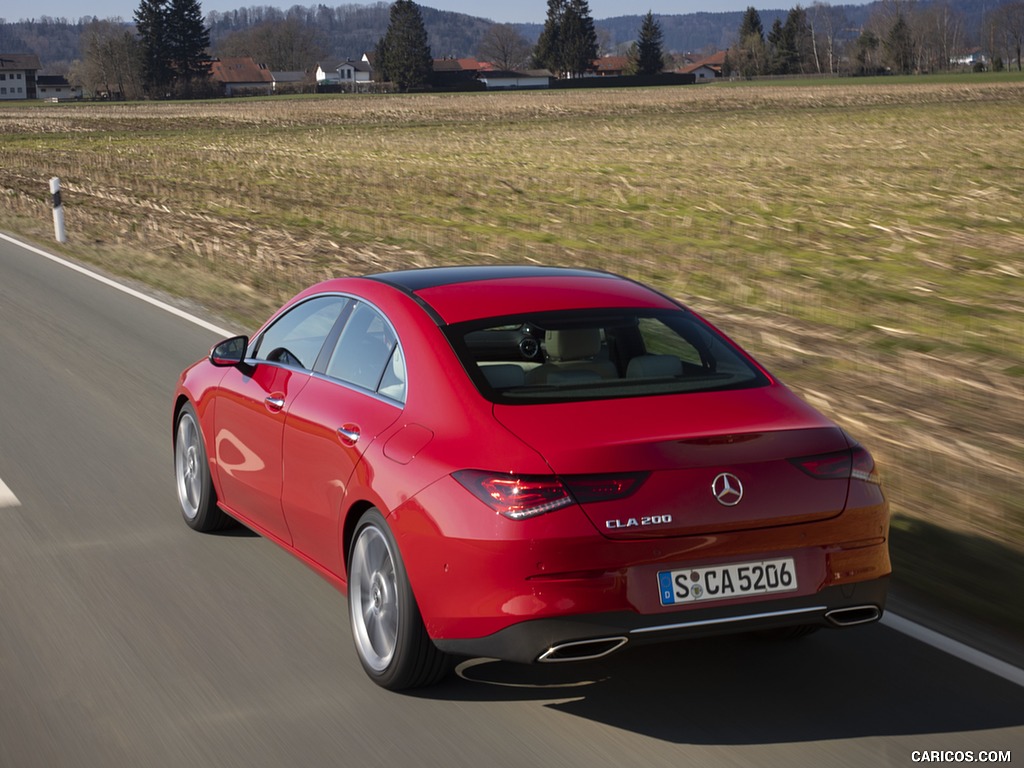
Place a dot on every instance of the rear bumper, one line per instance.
(589, 636)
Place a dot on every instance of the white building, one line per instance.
(18, 76)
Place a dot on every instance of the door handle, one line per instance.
(274, 403)
(349, 434)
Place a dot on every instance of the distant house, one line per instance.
(450, 73)
(969, 58)
(242, 76)
(346, 74)
(505, 80)
(353, 72)
(18, 76)
(610, 66)
(289, 82)
(327, 73)
(467, 64)
(344, 71)
(56, 88)
(701, 72)
(706, 69)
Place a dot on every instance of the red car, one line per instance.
(532, 464)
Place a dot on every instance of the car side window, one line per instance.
(367, 354)
(659, 339)
(297, 337)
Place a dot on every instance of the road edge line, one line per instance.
(953, 647)
(7, 497)
(119, 286)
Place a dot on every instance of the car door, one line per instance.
(336, 417)
(253, 400)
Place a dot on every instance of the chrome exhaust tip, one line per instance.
(582, 650)
(856, 614)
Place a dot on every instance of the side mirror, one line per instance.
(229, 352)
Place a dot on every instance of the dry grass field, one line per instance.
(864, 240)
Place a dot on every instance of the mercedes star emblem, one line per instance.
(728, 489)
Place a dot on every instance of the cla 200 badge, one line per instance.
(636, 522)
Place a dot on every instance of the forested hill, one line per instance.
(349, 30)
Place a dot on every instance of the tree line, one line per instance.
(899, 36)
(168, 53)
(567, 46)
(160, 54)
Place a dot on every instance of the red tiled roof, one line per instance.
(699, 65)
(715, 60)
(611, 63)
(468, 64)
(240, 69)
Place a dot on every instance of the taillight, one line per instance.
(515, 497)
(518, 497)
(591, 488)
(864, 466)
(855, 463)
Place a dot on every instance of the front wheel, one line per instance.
(390, 639)
(196, 496)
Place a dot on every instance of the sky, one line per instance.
(497, 10)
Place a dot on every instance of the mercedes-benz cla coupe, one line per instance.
(531, 464)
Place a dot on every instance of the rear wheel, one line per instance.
(196, 495)
(387, 628)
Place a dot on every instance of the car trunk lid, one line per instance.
(713, 462)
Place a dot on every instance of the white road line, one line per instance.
(7, 497)
(904, 626)
(123, 288)
(954, 648)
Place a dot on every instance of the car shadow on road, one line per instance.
(740, 690)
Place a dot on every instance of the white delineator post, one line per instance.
(58, 211)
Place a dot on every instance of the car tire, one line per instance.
(391, 641)
(196, 495)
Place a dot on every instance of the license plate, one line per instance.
(720, 582)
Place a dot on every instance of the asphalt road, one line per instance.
(128, 640)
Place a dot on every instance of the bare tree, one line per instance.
(890, 23)
(826, 23)
(288, 45)
(940, 35)
(505, 48)
(111, 62)
(1012, 19)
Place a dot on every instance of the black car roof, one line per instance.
(412, 280)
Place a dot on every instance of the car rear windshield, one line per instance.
(588, 355)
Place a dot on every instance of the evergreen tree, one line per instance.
(402, 55)
(899, 46)
(187, 41)
(579, 39)
(798, 41)
(548, 53)
(867, 45)
(752, 54)
(751, 24)
(789, 43)
(649, 55)
(776, 49)
(151, 24)
(174, 42)
(568, 43)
